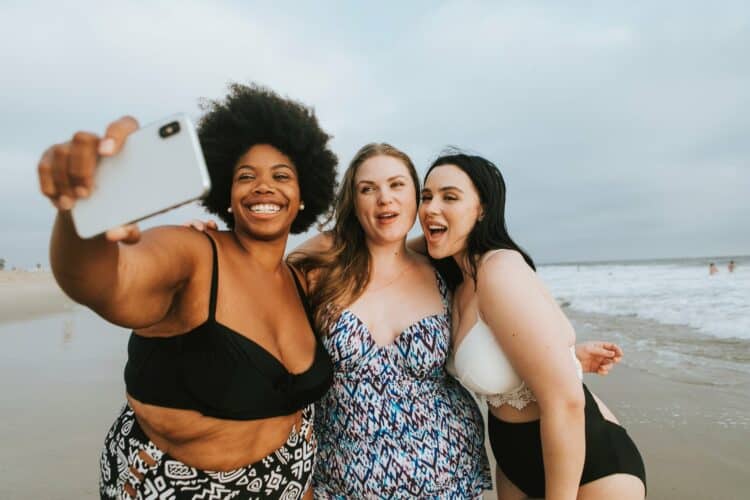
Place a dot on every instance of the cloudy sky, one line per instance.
(623, 131)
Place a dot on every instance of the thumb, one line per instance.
(128, 234)
(117, 132)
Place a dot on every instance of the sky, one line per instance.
(622, 129)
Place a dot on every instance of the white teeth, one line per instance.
(387, 216)
(265, 208)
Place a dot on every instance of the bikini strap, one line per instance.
(302, 294)
(445, 294)
(214, 280)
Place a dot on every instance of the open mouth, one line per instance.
(435, 230)
(265, 208)
(386, 216)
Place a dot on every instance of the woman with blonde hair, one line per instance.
(394, 423)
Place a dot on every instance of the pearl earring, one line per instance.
(301, 205)
(229, 210)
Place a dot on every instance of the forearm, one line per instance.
(564, 449)
(86, 270)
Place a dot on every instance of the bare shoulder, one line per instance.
(178, 241)
(502, 271)
(502, 260)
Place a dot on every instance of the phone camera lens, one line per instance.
(169, 129)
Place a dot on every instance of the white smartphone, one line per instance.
(160, 167)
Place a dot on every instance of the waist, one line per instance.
(211, 443)
(507, 413)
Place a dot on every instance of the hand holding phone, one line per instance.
(127, 175)
(66, 171)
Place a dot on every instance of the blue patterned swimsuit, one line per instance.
(394, 424)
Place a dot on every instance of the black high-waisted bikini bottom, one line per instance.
(518, 450)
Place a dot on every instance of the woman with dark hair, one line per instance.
(220, 387)
(512, 344)
(394, 424)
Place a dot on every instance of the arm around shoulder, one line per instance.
(319, 243)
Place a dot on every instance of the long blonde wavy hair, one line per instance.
(339, 275)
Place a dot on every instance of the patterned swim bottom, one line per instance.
(133, 467)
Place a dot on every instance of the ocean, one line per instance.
(671, 317)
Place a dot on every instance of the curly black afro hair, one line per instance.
(250, 115)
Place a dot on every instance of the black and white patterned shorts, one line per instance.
(132, 465)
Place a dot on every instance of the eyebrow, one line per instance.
(274, 167)
(389, 179)
(445, 188)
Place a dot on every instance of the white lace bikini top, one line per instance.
(481, 366)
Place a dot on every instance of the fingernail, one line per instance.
(107, 146)
(115, 234)
(65, 202)
(82, 192)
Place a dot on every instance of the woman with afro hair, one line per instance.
(223, 362)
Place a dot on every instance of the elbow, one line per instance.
(569, 403)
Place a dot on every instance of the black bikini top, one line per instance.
(221, 373)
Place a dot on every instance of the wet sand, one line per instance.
(61, 387)
(25, 295)
(694, 437)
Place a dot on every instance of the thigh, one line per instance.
(506, 490)
(604, 410)
(614, 486)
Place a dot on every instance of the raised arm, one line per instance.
(536, 338)
(128, 279)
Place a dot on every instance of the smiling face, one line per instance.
(265, 195)
(385, 199)
(449, 211)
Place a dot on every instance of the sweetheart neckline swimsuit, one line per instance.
(394, 424)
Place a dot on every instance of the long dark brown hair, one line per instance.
(337, 276)
(491, 232)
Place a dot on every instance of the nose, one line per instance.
(385, 197)
(263, 187)
(431, 207)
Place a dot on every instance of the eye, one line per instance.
(282, 177)
(367, 189)
(426, 197)
(397, 184)
(245, 176)
(450, 197)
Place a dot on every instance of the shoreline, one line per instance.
(61, 380)
(693, 437)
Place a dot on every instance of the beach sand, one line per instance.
(61, 387)
(29, 294)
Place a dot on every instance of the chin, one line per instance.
(268, 234)
(437, 253)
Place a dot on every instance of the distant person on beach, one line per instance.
(712, 269)
(220, 386)
(513, 345)
(730, 267)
